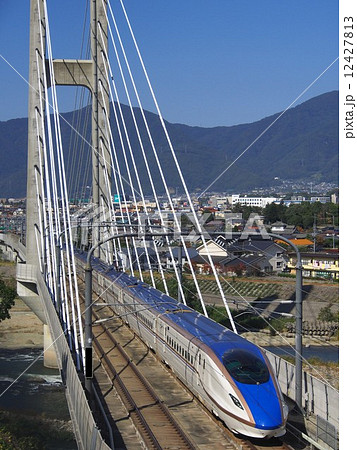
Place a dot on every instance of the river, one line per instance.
(324, 353)
(34, 391)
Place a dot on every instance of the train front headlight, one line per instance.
(285, 409)
(236, 401)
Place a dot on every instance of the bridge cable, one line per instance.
(197, 222)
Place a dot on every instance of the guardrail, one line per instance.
(320, 398)
(88, 435)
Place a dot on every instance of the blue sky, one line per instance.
(211, 62)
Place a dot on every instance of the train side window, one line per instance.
(204, 363)
(199, 359)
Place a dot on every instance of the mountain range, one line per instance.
(300, 143)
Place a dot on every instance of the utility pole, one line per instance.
(314, 234)
(298, 320)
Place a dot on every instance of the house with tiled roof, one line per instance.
(299, 241)
(265, 248)
(245, 265)
(231, 256)
(213, 248)
(282, 228)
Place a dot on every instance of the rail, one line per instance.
(128, 386)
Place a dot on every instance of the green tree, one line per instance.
(7, 300)
(246, 210)
(273, 212)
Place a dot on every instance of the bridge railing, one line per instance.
(320, 399)
(88, 435)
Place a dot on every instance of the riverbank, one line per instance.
(23, 330)
(264, 338)
(23, 432)
(33, 408)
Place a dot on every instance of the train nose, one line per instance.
(265, 405)
(270, 420)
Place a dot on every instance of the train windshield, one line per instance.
(245, 367)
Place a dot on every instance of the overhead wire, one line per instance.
(63, 198)
(153, 148)
(173, 154)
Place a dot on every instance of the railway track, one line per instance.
(153, 420)
(148, 411)
(274, 444)
(151, 416)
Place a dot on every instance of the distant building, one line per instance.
(320, 199)
(282, 228)
(334, 198)
(218, 201)
(261, 202)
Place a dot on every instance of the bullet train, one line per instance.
(229, 374)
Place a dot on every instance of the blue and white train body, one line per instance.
(229, 374)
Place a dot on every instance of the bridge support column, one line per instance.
(27, 289)
(49, 357)
(93, 74)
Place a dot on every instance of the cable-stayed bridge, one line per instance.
(124, 215)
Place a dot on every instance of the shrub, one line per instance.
(7, 300)
(326, 315)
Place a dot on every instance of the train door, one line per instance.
(155, 330)
(119, 309)
(166, 354)
(160, 336)
(198, 364)
(190, 365)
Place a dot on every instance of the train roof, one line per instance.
(209, 332)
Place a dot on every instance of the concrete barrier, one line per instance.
(88, 435)
(319, 398)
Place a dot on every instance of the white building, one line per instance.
(261, 202)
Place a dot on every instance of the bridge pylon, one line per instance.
(88, 73)
(92, 75)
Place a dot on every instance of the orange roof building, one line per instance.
(299, 242)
